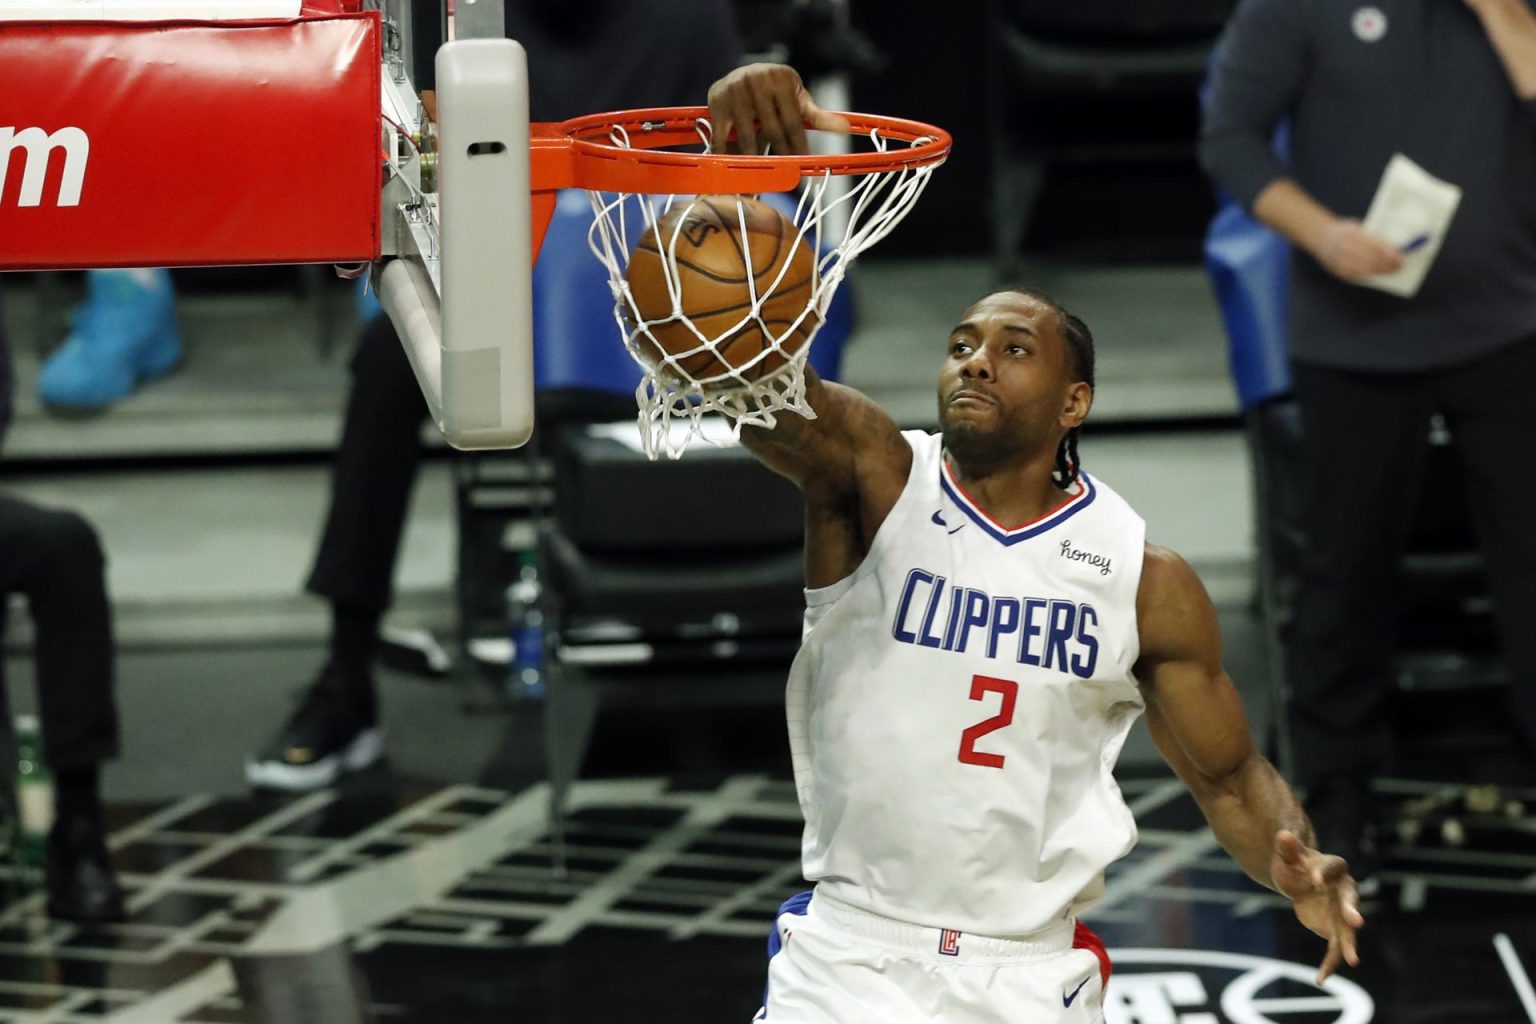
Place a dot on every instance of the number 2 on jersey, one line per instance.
(980, 687)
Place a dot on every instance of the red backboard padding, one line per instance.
(190, 143)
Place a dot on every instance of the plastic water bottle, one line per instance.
(525, 628)
(34, 793)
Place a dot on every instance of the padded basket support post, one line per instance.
(472, 348)
(487, 255)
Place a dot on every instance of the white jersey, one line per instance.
(958, 704)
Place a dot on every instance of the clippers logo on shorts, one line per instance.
(949, 942)
(1369, 23)
(1211, 987)
(37, 147)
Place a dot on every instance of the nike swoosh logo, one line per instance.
(1067, 1000)
(938, 519)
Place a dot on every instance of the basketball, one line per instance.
(719, 268)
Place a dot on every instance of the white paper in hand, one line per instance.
(1412, 212)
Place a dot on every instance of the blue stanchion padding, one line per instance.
(577, 342)
(1250, 268)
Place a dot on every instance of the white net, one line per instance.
(695, 364)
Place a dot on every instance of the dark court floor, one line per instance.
(430, 889)
(443, 904)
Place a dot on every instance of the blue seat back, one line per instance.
(1250, 268)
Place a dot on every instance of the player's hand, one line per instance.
(1349, 252)
(769, 108)
(1323, 895)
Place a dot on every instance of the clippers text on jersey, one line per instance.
(1052, 633)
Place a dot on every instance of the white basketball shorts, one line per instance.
(836, 964)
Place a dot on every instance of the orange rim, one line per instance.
(580, 153)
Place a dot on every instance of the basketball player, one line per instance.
(984, 623)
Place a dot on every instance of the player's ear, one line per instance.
(1078, 400)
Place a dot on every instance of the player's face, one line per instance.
(1005, 379)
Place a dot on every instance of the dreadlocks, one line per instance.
(1079, 341)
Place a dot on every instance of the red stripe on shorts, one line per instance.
(1082, 938)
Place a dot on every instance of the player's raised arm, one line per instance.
(1197, 721)
(852, 463)
(851, 449)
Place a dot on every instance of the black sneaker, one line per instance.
(81, 885)
(332, 731)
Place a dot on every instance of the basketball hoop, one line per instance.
(638, 165)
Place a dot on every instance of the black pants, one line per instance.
(55, 559)
(379, 456)
(1364, 450)
(375, 468)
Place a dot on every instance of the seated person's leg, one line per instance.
(335, 727)
(55, 559)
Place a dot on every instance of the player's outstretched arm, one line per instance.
(852, 445)
(852, 463)
(1197, 721)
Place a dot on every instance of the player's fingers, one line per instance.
(719, 118)
(794, 124)
(733, 106)
(1348, 906)
(770, 125)
(720, 126)
(743, 118)
(1330, 961)
(1351, 949)
(1348, 920)
(1289, 847)
(821, 120)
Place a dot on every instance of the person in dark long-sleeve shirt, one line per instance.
(1451, 84)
